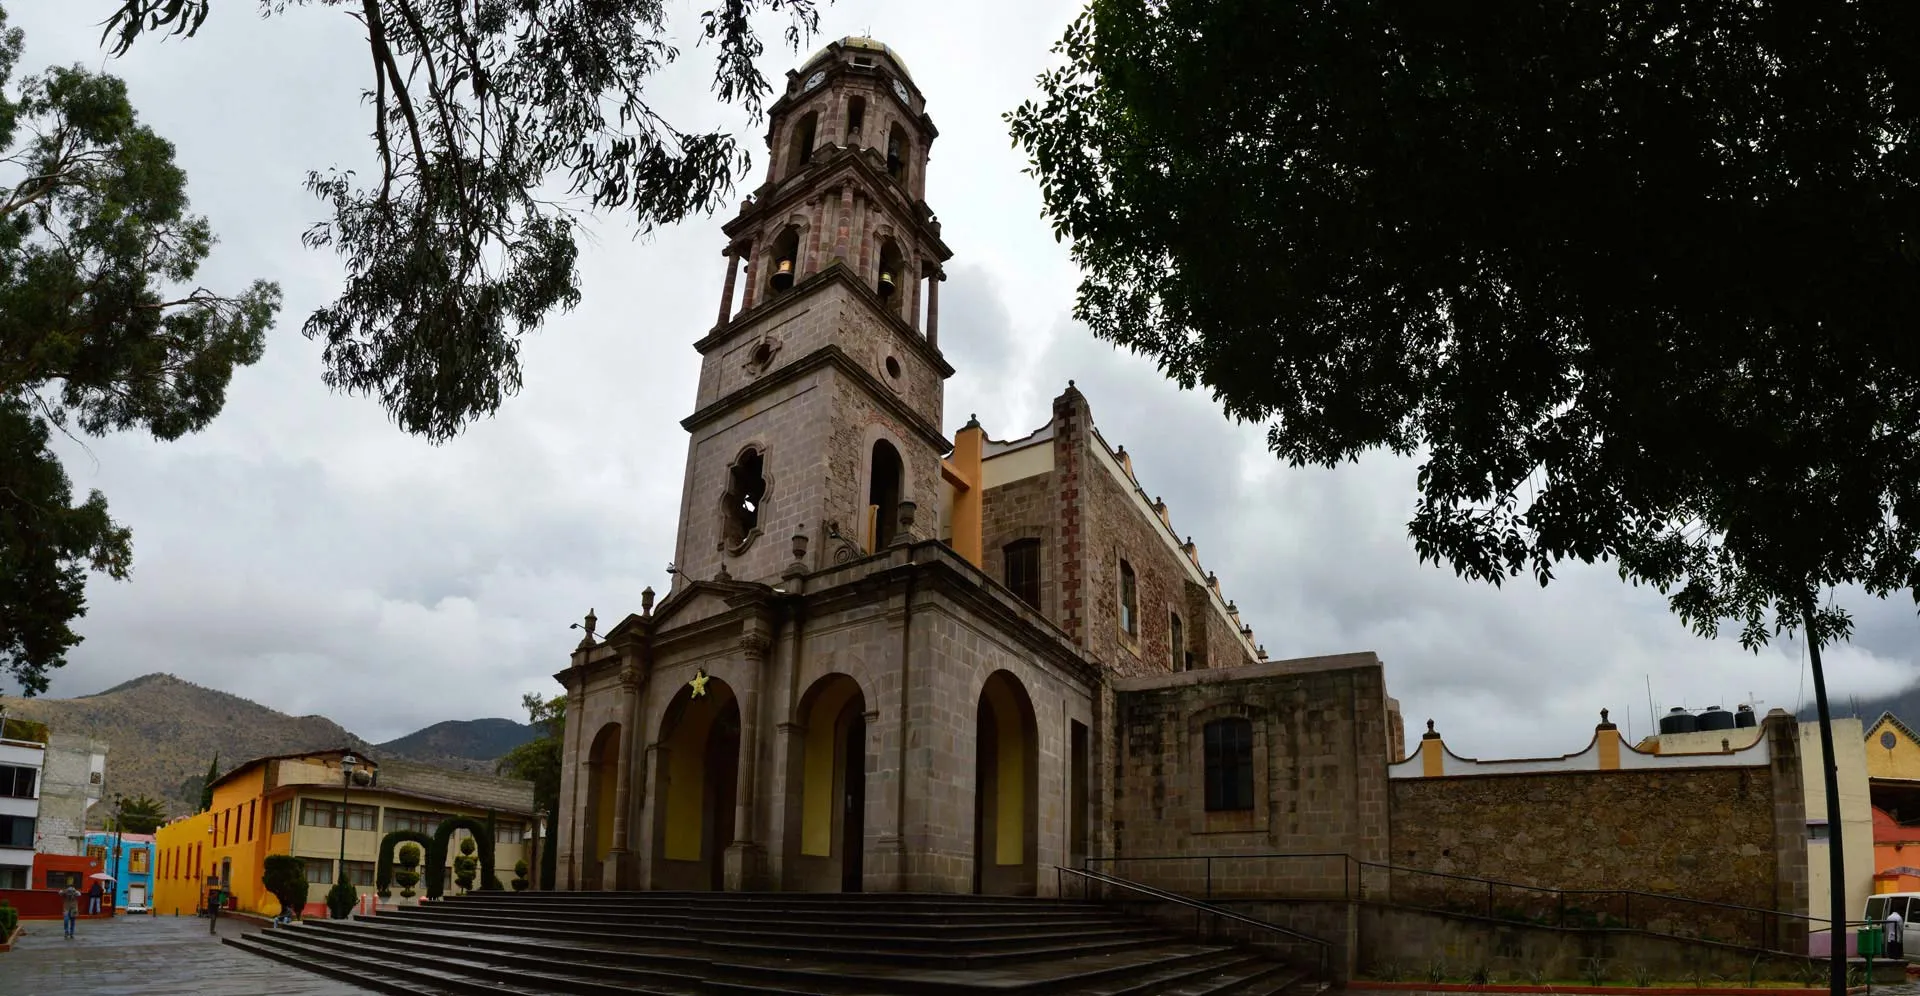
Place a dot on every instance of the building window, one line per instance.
(319, 870)
(283, 816)
(414, 821)
(507, 832)
(334, 816)
(357, 873)
(16, 831)
(746, 488)
(60, 880)
(1818, 831)
(17, 783)
(801, 152)
(1229, 744)
(1177, 642)
(251, 813)
(97, 853)
(1129, 601)
(856, 116)
(898, 151)
(1023, 570)
(15, 877)
(138, 861)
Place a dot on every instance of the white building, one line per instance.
(21, 763)
(72, 779)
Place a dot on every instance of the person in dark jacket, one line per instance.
(93, 897)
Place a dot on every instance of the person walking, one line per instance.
(69, 908)
(1894, 947)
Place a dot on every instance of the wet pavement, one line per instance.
(150, 956)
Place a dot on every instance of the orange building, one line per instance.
(292, 804)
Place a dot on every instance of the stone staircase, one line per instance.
(769, 944)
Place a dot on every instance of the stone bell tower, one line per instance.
(816, 431)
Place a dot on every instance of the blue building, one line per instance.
(132, 869)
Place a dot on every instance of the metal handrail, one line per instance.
(1217, 912)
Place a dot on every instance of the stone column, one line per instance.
(843, 227)
(726, 296)
(752, 296)
(569, 816)
(746, 857)
(933, 307)
(614, 874)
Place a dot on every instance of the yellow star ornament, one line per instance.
(699, 682)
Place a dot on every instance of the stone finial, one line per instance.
(1431, 734)
(1260, 652)
(800, 547)
(586, 627)
(723, 575)
(904, 534)
(973, 422)
(1605, 723)
(646, 601)
(1213, 581)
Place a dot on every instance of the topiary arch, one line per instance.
(437, 854)
(383, 871)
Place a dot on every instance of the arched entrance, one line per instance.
(1006, 797)
(826, 842)
(603, 776)
(694, 792)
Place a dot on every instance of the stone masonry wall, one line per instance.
(1023, 509)
(1320, 749)
(1706, 833)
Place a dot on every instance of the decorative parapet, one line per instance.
(1607, 751)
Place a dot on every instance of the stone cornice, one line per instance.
(825, 356)
(813, 284)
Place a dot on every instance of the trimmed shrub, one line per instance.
(466, 865)
(520, 882)
(341, 900)
(285, 876)
(9, 919)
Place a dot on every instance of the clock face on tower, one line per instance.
(900, 90)
(814, 80)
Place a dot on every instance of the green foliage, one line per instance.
(341, 899)
(409, 844)
(466, 866)
(409, 855)
(436, 861)
(452, 252)
(1641, 975)
(1595, 970)
(538, 761)
(520, 881)
(206, 785)
(1437, 970)
(139, 814)
(285, 877)
(1637, 282)
(9, 919)
(101, 329)
(1481, 976)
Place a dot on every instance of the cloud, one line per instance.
(305, 553)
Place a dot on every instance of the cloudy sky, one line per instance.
(305, 553)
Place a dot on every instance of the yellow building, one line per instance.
(293, 804)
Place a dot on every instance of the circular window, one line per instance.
(762, 355)
(893, 368)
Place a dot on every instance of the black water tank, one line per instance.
(1715, 718)
(1743, 717)
(1678, 720)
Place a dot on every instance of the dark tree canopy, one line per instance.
(137, 814)
(101, 329)
(1636, 282)
(452, 253)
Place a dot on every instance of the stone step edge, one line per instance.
(462, 979)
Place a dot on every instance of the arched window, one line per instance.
(899, 151)
(1229, 746)
(800, 149)
(856, 117)
(746, 487)
(786, 259)
(1022, 570)
(1177, 643)
(884, 477)
(1129, 601)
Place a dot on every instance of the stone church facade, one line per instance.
(894, 661)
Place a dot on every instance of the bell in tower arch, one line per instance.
(886, 283)
(783, 274)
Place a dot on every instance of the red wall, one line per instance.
(44, 863)
(39, 904)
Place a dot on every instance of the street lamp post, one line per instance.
(347, 763)
(119, 829)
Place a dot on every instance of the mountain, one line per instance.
(161, 732)
(472, 744)
(1904, 704)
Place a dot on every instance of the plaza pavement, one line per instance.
(150, 956)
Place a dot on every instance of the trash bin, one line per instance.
(1872, 942)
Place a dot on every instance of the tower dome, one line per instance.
(859, 42)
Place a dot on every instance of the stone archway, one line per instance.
(826, 815)
(694, 792)
(603, 778)
(1006, 797)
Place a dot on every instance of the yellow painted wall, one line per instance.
(176, 886)
(822, 747)
(687, 774)
(1010, 836)
(1903, 761)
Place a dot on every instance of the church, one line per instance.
(891, 660)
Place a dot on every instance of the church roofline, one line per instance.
(814, 282)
